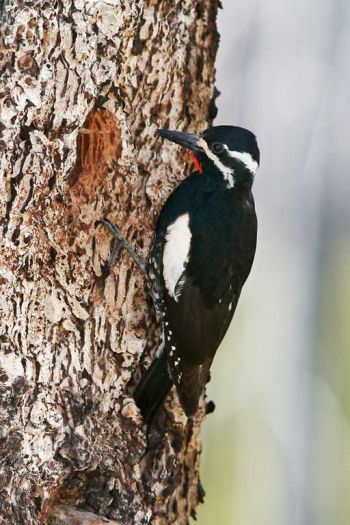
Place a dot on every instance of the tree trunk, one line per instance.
(85, 85)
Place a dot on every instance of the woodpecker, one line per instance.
(202, 254)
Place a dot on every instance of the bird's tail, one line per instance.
(153, 387)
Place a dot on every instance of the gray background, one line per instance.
(277, 449)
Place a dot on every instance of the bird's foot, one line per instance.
(121, 242)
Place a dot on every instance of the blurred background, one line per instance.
(277, 449)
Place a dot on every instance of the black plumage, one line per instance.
(209, 223)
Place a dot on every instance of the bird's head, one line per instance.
(230, 151)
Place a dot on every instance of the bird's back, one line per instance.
(223, 230)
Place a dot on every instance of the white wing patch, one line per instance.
(176, 252)
(225, 170)
(246, 159)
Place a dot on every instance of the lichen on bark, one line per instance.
(84, 86)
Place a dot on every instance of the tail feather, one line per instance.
(191, 385)
(153, 387)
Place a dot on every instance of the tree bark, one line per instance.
(85, 85)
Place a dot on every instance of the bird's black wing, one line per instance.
(222, 250)
(223, 239)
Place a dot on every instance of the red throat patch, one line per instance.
(195, 161)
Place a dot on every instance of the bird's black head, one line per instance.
(230, 151)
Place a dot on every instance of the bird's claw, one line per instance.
(120, 242)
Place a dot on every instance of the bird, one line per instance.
(201, 255)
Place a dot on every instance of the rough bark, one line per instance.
(65, 514)
(84, 86)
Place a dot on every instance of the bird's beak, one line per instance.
(189, 140)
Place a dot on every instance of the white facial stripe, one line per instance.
(226, 172)
(176, 252)
(246, 158)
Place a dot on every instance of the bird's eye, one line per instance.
(217, 147)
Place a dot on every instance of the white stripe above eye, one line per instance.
(225, 170)
(246, 158)
(176, 252)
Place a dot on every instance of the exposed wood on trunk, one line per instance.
(85, 84)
